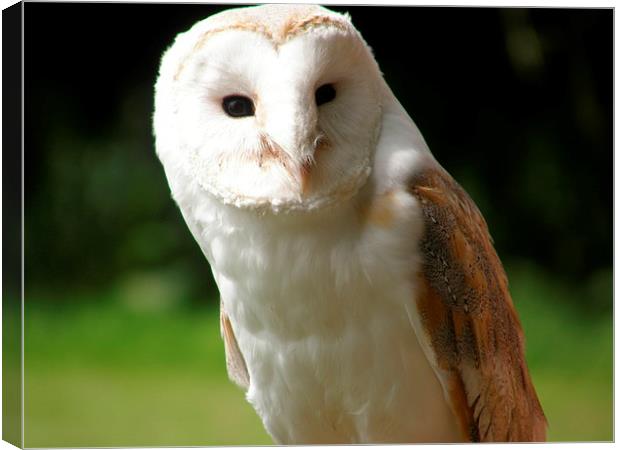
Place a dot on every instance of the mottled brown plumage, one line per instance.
(470, 320)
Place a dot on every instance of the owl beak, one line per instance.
(305, 154)
(292, 128)
(299, 158)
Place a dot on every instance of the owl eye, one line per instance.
(324, 94)
(238, 106)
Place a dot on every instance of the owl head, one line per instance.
(275, 107)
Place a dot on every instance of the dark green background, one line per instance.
(121, 310)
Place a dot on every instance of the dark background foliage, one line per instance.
(515, 103)
(121, 324)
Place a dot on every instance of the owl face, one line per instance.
(279, 110)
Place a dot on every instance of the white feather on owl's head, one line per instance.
(276, 107)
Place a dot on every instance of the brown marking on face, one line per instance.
(296, 27)
(289, 27)
(241, 26)
(269, 150)
(292, 28)
(304, 174)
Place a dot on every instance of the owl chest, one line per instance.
(325, 333)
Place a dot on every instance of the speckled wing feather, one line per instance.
(468, 316)
(235, 364)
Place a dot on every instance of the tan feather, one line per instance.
(235, 364)
(468, 315)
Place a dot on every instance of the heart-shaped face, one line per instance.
(277, 108)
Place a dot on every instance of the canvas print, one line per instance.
(304, 224)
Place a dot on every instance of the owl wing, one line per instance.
(469, 320)
(235, 364)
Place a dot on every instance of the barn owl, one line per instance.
(361, 298)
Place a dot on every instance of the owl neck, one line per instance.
(267, 225)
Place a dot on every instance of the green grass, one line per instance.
(79, 408)
(570, 354)
(101, 372)
(102, 375)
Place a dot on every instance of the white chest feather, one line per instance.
(321, 312)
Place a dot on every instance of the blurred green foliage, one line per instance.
(106, 371)
(121, 346)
